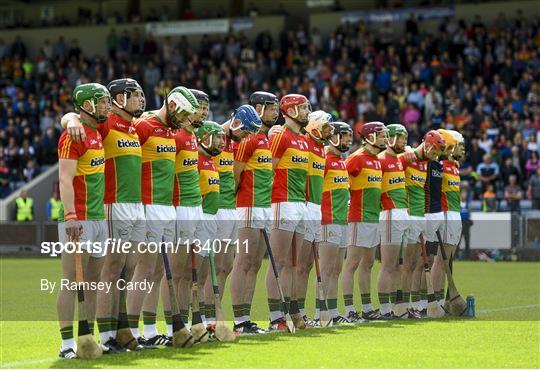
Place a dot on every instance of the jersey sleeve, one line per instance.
(142, 130)
(353, 165)
(68, 149)
(278, 144)
(244, 150)
(404, 161)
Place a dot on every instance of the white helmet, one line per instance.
(184, 99)
(459, 138)
(316, 121)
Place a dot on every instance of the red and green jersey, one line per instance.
(415, 180)
(365, 176)
(393, 193)
(158, 159)
(123, 160)
(290, 174)
(187, 192)
(450, 196)
(315, 176)
(255, 189)
(225, 166)
(209, 184)
(89, 180)
(335, 196)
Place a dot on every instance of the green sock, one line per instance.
(384, 298)
(288, 303)
(66, 332)
(202, 308)
(91, 327)
(114, 323)
(393, 297)
(210, 311)
(168, 317)
(247, 309)
(184, 314)
(406, 297)
(366, 298)
(104, 324)
(301, 303)
(415, 296)
(440, 294)
(133, 321)
(317, 304)
(274, 305)
(423, 294)
(238, 310)
(149, 318)
(332, 303)
(348, 299)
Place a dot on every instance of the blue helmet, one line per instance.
(249, 119)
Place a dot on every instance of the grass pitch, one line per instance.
(505, 334)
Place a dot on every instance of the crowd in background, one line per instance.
(480, 79)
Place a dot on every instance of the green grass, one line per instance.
(505, 334)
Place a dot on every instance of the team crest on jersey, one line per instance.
(369, 163)
(261, 142)
(334, 164)
(293, 142)
(400, 166)
(391, 166)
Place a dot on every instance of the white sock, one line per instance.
(302, 312)
(367, 307)
(105, 336)
(150, 331)
(385, 308)
(169, 330)
(186, 324)
(440, 302)
(274, 315)
(317, 313)
(135, 332)
(334, 312)
(68, 343)
(423, 304)
(349, 309)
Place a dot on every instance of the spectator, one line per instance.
(533, 191)
(513, 195)
(507, 170)
(532, 165)
(4, 179)
(53, 207)
(466, 221)
(487, 171)
(24, 207)
(489, 199)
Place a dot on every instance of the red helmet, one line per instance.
(371, 128)
(291, 101)
(434, 139)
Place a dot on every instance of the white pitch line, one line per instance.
(511, 308)
(29, 362)
(487, 310)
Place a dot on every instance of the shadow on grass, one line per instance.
(131, 360)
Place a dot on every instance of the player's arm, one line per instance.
(75, 129)
(67, 171)
(238, 169)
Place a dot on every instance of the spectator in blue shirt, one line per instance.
(487, 171)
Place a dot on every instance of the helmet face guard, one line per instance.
(94, 94)
(371, 131)
(340, 129)
(294, 101)
(318, 121)
(126, 87)
(245, 119)
(265, 99)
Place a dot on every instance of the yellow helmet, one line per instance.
(448, 137)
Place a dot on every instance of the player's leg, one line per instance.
(388, 274)
(304, 263)
(287, 215)
(352, 262)
(416, 292)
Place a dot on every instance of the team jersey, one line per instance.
(255, 188)
(433, 187)
(158, 159)
(89, 182)
(290, 174)
(365, 176)
(335, 196)
(315, 176)
(123, 160)
(187, 192)
(393, 193)
(415, 180)
(450, 197)
(209, 183)
(225, 166)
